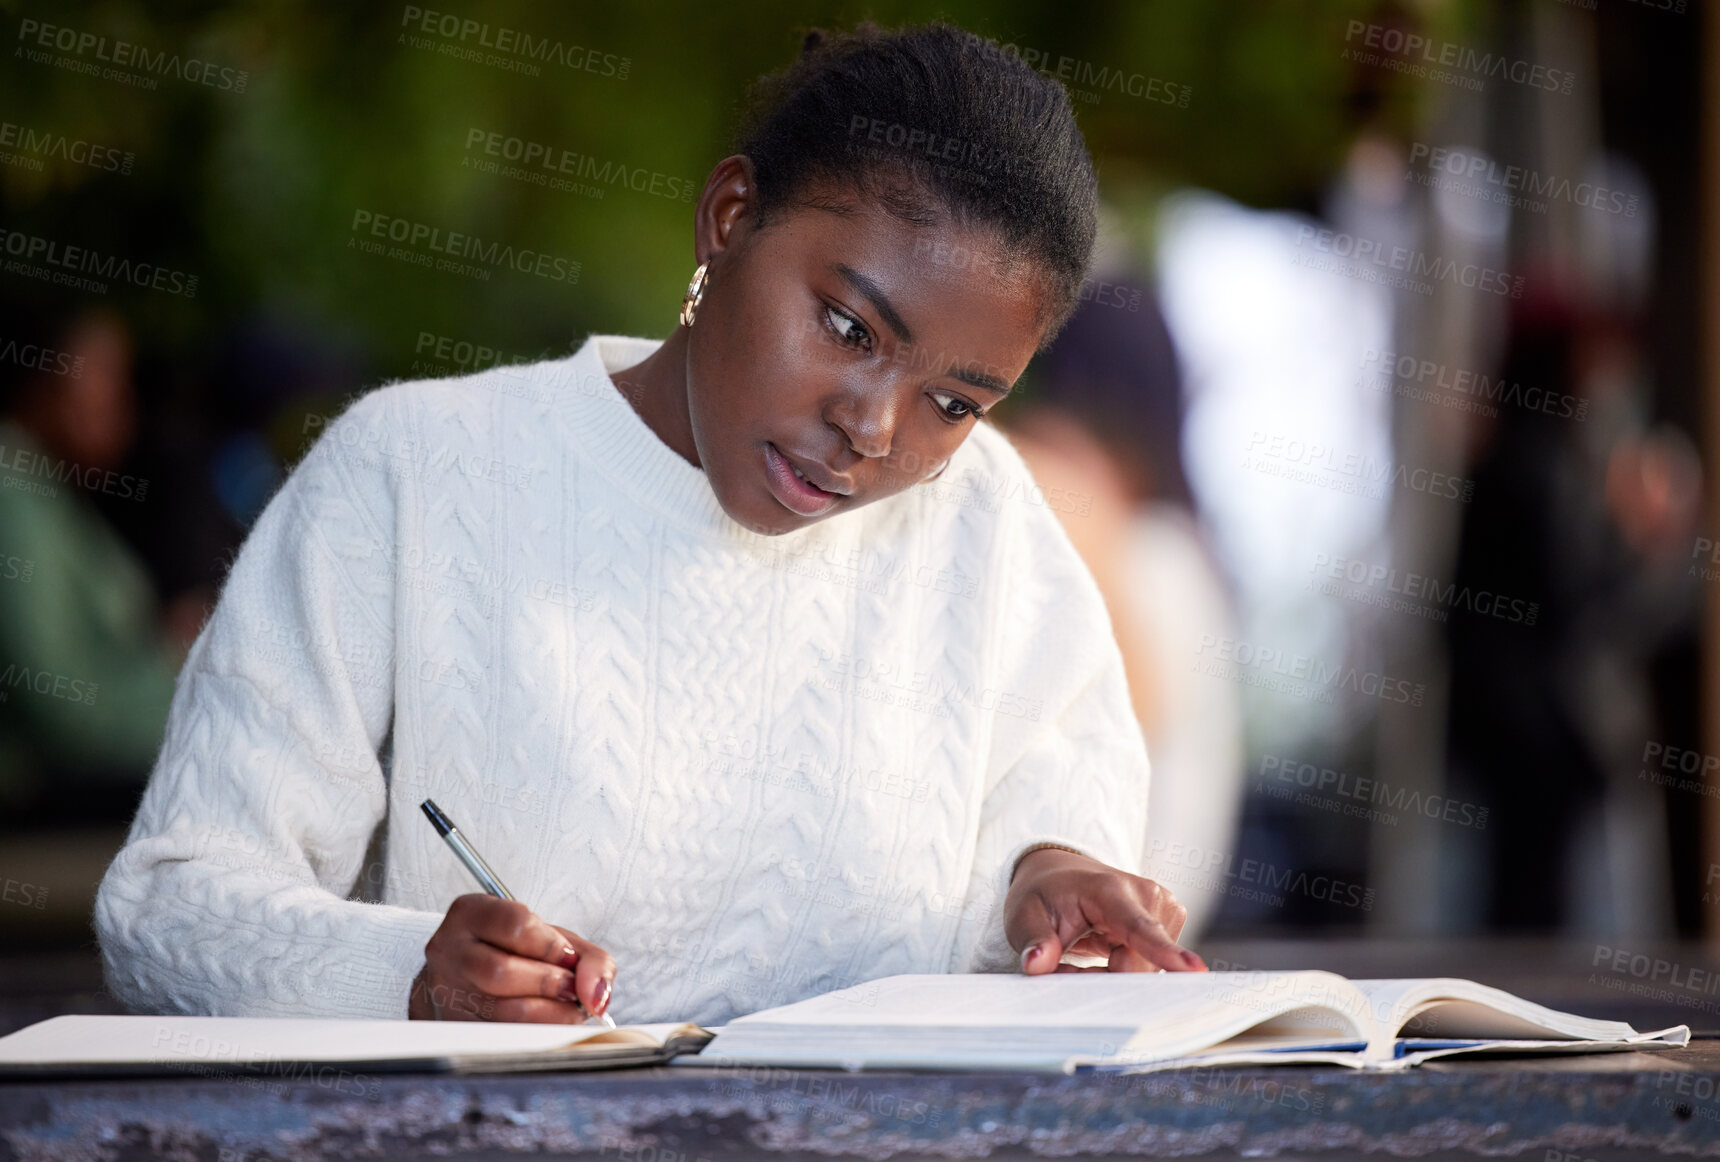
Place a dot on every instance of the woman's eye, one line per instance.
(846, 328)
(963, 408)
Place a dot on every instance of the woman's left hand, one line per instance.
(1060, 902)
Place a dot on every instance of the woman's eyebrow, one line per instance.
(981, 379)
(879, 300)
(881, 303)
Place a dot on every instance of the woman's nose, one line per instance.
(867, 420)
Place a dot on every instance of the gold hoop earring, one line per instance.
(694, 296)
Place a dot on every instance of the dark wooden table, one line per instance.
(1664, 1102)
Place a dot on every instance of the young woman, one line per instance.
(752, 660)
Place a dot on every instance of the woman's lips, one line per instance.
(798, 495)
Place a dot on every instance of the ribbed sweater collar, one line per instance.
(612, 436)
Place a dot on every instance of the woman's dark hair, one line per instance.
(978, 132)
(1115, 369)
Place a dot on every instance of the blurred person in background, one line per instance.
(1102, 433)
(88, 657)
(1583, 518)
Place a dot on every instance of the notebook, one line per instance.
(131, 1045)
(1141, 1022)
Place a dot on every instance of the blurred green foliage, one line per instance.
(256, 191)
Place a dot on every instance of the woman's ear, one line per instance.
(730, 195)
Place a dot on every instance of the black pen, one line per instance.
(481, 872)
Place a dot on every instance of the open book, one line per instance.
(1139, 1022)
(284, 1046)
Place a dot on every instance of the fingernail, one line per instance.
(602, 997)
(1190, 959)
(569, 958)
(1028, 956)
(566, 992)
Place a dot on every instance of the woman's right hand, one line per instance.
(495, 960)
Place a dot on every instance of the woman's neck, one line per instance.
(657, 389)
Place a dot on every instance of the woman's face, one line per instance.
(848, 343)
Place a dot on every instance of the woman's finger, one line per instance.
(1147, 937)
(1122, 958)
(1122, 916)
(512, 927)
(1035, 934)
(1126, 959)
(502, 974)
(1163, 907)
(539, 1010)
(1175, 919)
(594, 970)
(434, 1000)
(1091, 943)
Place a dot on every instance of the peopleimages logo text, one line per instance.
(539, 159)
(1314, 672)
(1313, 462)
(1444, 54)
(1077, 74)
(1418, 264)
(45, 143)
(1164, 857)
(40, 357)
(129, 55)
(1395, 367)
(512, 42)
(1472, 165)
(1372, 790)
(63, 259)
(1420, 587)
(423, 236)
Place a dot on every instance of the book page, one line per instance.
(217, 1041)
(1678, 1035)
(931, 1019)
(1467, 1008)
(1058, 1000)
(1451, 1008)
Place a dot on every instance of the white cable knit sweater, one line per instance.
(752, 768)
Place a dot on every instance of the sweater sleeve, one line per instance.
(1068, 761)
(229, 896)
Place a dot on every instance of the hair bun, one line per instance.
(813, 42)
